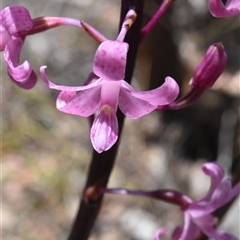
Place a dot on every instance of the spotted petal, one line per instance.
(110, 60)
(83, 104)
(104, 131)
(15, 19)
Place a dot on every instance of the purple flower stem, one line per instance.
(102, 164)
(169, 196)
(41, 24)
(93, 32)
(185, 101)
(160, 12)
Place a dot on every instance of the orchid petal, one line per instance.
(162, 95)
(199, 209)
(218, 235)
(235, 191)
(160, 233)
(110, 60)
(216, 173)
(104, 131)
(204, 221)
(218, 9)
(84, 104)
(15, 19)
(66, 88)
(219, 198)
(4, 36)
(221, 195)
(22, 75)
(133, 107)
(177, 233)
(190, 229)
(206, 224)
(29, 83)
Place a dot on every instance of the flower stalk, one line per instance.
(160, 12)
(169, 196)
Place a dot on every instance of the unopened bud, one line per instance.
(210, 68)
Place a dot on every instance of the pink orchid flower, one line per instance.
(103, 96)
(198, 215)
(15, 24)
(13, 20)
(219, 10)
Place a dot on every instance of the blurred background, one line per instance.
(46, 153)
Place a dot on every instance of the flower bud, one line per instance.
(210, 68)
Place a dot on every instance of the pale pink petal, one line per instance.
(110, 93)
(110, 60)
(64, 98)
(29, 83)
(207, 223)
(67, 88)
(160, 233)
(134, 107)
(22, 75)
(199, 209)
(218, 9)
(15, 19)
(104, 131)
(216, 173)
(219, 198)
(83, 104)
(204, 221)
(162, 95)
(221, 195)
(190, 229)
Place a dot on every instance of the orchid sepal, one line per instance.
(219, 10)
